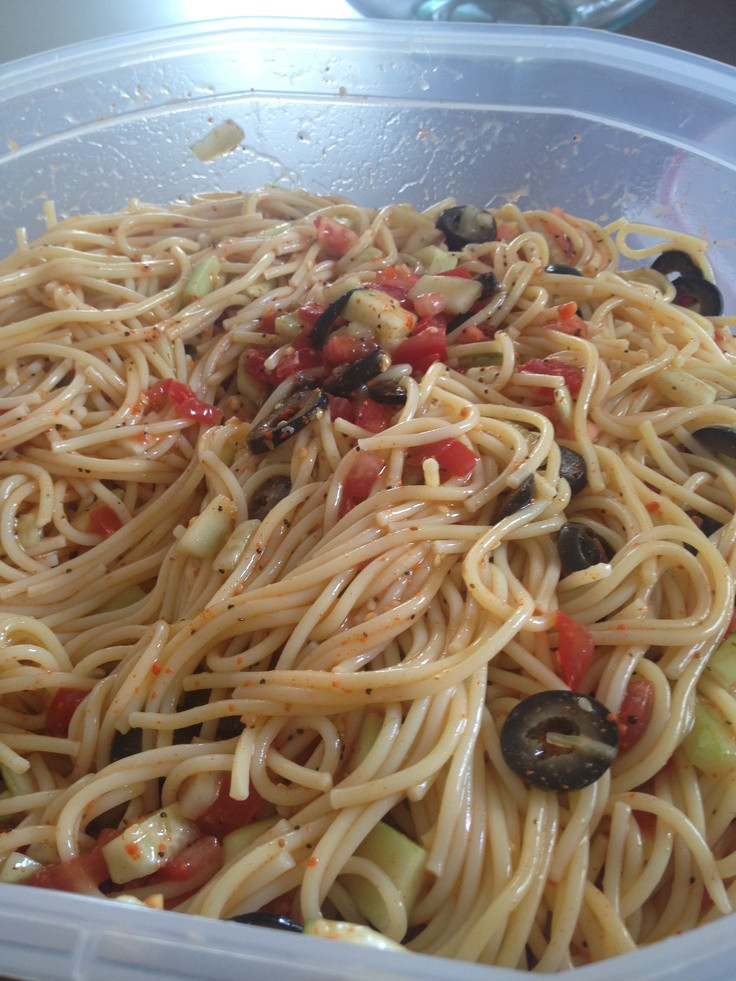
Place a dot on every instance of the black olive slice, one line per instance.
(573, 468)
(698, 294)
(466, 225)
(125, 744)
(717, 439)
(387, 391)
(709, 526)
(560, 269)
(559, 740)
(273, 920)
(580, 548)
(289, 416)
(347, 377)
(676, 261)
(268, 495)
(517, 499)
(327, 320)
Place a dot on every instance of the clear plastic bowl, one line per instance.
(600, 124)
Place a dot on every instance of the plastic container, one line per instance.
(598, 123)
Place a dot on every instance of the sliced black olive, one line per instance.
(717, 439)
(466, 225)
(560, 269)
(268, 495)
(709, 526)
(273, 920)
(346, 378)
(290, 416)
(698, 294)
(580, 548)
(325, 323)
(517, 499)
(125, 744)
(573, 468)
(387, 391)
(676, 261)
(559, 740)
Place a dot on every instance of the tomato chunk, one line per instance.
(82, 874)
(203, 855)
(374, 416)
(361, 477)
(453, 457)
(571, 374)
(185, 402)
(635, 713)
(104, 521)
(335, 237)
(226, 814)
(575, 652)
(61, 709)
(341, 349)
(420, 350)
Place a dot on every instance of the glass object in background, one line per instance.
(611, 14)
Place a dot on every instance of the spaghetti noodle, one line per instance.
(286, 647)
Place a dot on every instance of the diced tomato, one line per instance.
(400, 277)
(472, 334)
(422, 349)
(82, 874)
(506, 230)
(360, 479)
(309, 313)
(396, 281)
(453, 457)
(335, 237)
(575, 652)
(104, 521)
(203, 855)
(184, 401)
(374, 416)
(572, 374)
(341, 408)
(635, 713)
(429, 304)
(297, 359)
(341, 349)
(461, 272)
(61, 709)
(225, 814)
(568, 321)
(267, 323)
(562, 238)
(254, 365)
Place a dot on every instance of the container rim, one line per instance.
(578, 44)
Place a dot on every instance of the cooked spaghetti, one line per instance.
(288, 530)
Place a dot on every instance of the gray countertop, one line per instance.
(705, 27)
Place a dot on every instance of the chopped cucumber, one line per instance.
(147, 845)
(241, 839)
(18, 867)
(403, 861)
(722, 664)
(353, 933)
(436, 260)
(17, 784)
(28, 532)
(711, 743)
(133, 594)
(383, 313)
(206, 534)
(202, 279)
(288, 326)
(459, 294)
(368, 734)
(481, 359)
(237, 542)
(683, 388)
(334, 291)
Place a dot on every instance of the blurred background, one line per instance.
(705, 27)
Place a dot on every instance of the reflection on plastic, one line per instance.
(611, 14)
